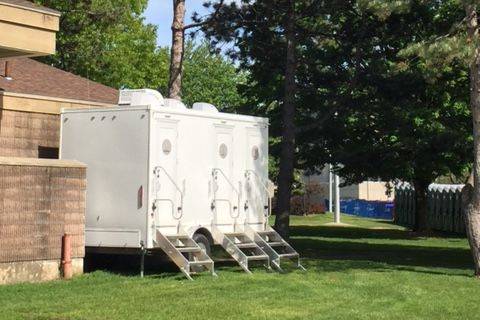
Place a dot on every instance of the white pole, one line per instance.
(337, 200)
(330, 189)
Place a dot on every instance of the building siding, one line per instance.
(38, 204)
(23, 133)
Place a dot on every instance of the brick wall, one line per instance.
(22, 133)
(40, 200)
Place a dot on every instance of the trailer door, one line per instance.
(165, 193)
(225, 198)
(256, 154)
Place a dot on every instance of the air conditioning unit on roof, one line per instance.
(174, 104)
(205, 107)
(140, 97)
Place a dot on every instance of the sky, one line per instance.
(160, 13)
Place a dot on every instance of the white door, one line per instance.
(256, 157)
(224, 195)
(165, 151)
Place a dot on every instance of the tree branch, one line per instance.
(212, 18)
(317, 124)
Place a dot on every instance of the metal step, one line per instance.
(276, 247)
(277, 243)
(235, 234)
(246, 245)
(197, 263)
(267, 232)
(176, 253)
(259, 257)
(178, 236)
(189, 249)
(234, 249)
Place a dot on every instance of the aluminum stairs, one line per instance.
(185, 253)
(241, 247)
(275, 246)
(268, 239)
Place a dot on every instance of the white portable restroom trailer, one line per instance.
(163, 176)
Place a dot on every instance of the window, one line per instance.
(255, 153)
(166, 146)
(47, 152)
(223, 150)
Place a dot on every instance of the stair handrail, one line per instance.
(180, 208)
(247, 175)
(214, 170)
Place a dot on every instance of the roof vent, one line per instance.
(205, 107)
(174, 104)
(140, 97)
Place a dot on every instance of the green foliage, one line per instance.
(406, 114)
(412, 122)
(107, 41)
(366, 99)
(209, 77)
(255, 32)
(384, 8)
(382, 85)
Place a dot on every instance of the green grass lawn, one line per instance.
(369, 270)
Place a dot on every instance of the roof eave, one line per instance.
(38, 9)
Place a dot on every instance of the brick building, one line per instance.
(40, 199)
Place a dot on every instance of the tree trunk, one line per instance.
(421, 214)
(471, 191)
(178, 43)
(287, 155)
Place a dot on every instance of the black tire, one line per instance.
(203, 242)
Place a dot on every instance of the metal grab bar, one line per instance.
(247, 175)
(180, 208)
(223, 200)
(172, 205)
(237, 208)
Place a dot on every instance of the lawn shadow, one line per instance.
(129, 265)
(157, 265)
(329, 248)
(324, 249)
(348, 232)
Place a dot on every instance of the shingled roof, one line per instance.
(32, 77)
(29, 5)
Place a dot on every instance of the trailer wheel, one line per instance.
(203, 242)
